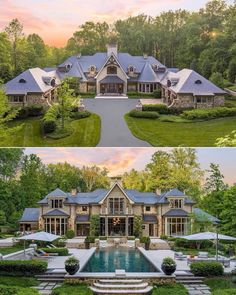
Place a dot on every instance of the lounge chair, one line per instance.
(179, 256)
(43, 253)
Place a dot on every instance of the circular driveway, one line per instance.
(114, 130)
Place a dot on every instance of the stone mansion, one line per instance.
(168, 213)
(116, 74)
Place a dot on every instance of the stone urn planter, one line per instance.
(72, 265)
(168, 266)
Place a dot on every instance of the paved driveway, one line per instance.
(115, 132)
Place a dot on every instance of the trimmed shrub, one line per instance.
(80, 115)
(144, 114)
(15, 290)
(160, 108)
(207, 114)
(70, 234)
(164, 237)
(49, 126)
(207, 269)
(22, 267)
(157, 93)
(60, 251)
(22, 113)
(90, 239)
(145, 240)
(138, 94)
(35, 110)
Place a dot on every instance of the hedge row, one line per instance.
(209, 113)
(80, 115)
(183, 243)
(15, 290)
(22, 267)
(144, 114)
(60, 251)
(33, 110)
(207, 269)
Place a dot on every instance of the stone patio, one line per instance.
(200, 289)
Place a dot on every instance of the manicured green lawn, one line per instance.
(194, 134)
(72, 290)
(8, 250)
(86, 132)
(65, 289)
(18, 281)
(221, 286)
(176, 289)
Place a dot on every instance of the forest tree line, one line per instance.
(204, 41)
(25, 180)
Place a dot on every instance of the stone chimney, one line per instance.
(74, 192)
(112, 49)
(158, 192)
(145, 56)
(115, 179)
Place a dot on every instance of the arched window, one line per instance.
(53, 83)
(22, 81)
(92, 69)
(111, 70)
(198, 82)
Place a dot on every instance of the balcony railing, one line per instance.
(107, 211)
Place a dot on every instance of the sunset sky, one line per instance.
(56, 20)
(119, 160)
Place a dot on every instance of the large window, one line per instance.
(57, 226)
(116, 206)
(111, 70)
(56, 203)
(177, 226)
(176, 203)
(16, 98)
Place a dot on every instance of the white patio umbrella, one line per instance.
(39, 236)
(209, 236)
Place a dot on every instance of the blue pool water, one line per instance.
(108, 260)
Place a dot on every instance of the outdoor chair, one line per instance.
(179, 256)
(43, 253)
(203, 255)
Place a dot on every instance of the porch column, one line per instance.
(126, 226)
(106, 226)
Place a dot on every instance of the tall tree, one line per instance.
(94, 178)
(10, 162)
(15, 33)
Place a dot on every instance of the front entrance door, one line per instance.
(116, 226)
(151, 229)
(83, 230)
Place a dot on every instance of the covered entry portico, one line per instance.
(112, 85)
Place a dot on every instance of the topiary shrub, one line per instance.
(49, 126)
(90, 239)
(207, 269)
(22, 267)
(70, 234)
(160, 108)
(60, 251)
(80, 115)
(145, 240)
(144, 114)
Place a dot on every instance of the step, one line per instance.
(121, 286)
(189, 282)
(124, 281)
(51, 279)
(50, 275)
(121, 291)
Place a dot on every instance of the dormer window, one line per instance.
(56, 203)
(198, 82)
(176, 203)
(22, 81)
(53, 83)
(92, 69)
(84, 208)
(131, 69)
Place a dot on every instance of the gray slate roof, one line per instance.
(30, 215)
(150, 218)
(176, 212)
(34, 82)
(184, 81)
(111, 79)
(203, 216)
(134, 195)
(82, 218)
(55, 212)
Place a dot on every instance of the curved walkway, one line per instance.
(114, 130)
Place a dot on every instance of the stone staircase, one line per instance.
(52, 276)
(121, 286)
(194, 285)
(188, 278)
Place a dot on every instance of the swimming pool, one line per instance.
(110, 259)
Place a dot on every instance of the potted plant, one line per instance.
(87, 241)
(146, 241)
(168, 266)
(72, 265)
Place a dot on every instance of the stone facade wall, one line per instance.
(83, 87)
